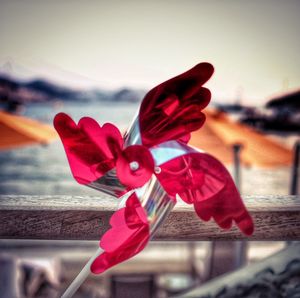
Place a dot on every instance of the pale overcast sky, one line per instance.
(254, 45)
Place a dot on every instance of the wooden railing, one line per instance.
(87, 218)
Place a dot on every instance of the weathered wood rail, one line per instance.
(87, 218)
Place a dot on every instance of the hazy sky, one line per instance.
(254, 45)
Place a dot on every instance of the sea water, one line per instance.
(44, 170)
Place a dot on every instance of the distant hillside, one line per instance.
(51, 90)
(13, 90)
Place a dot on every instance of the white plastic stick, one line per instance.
(84, 273)
(81, 277)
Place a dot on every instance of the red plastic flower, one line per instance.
(129, 234)
(172, 110)
(93, 151)
(200, 179)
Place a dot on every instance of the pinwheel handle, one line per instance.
(83, 274)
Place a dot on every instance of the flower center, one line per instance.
(157, 170)
(134, 165)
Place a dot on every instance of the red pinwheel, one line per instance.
(152, 165)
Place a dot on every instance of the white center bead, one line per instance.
(134, 165)
(157, 170)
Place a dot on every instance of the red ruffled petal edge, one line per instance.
(172, 110)
(90, 149)
(129, 234)
(200, 179)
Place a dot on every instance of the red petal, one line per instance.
(200, 179)
(126, 238)
(172, 110)
(90, 149)
(108, 137)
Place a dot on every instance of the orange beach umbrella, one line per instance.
(17, 131)
(220, 133)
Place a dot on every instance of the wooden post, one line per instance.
(9, 277)
(239, 248)
(295, 170)
(133, 286)
(236, 160)
(227, 256)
